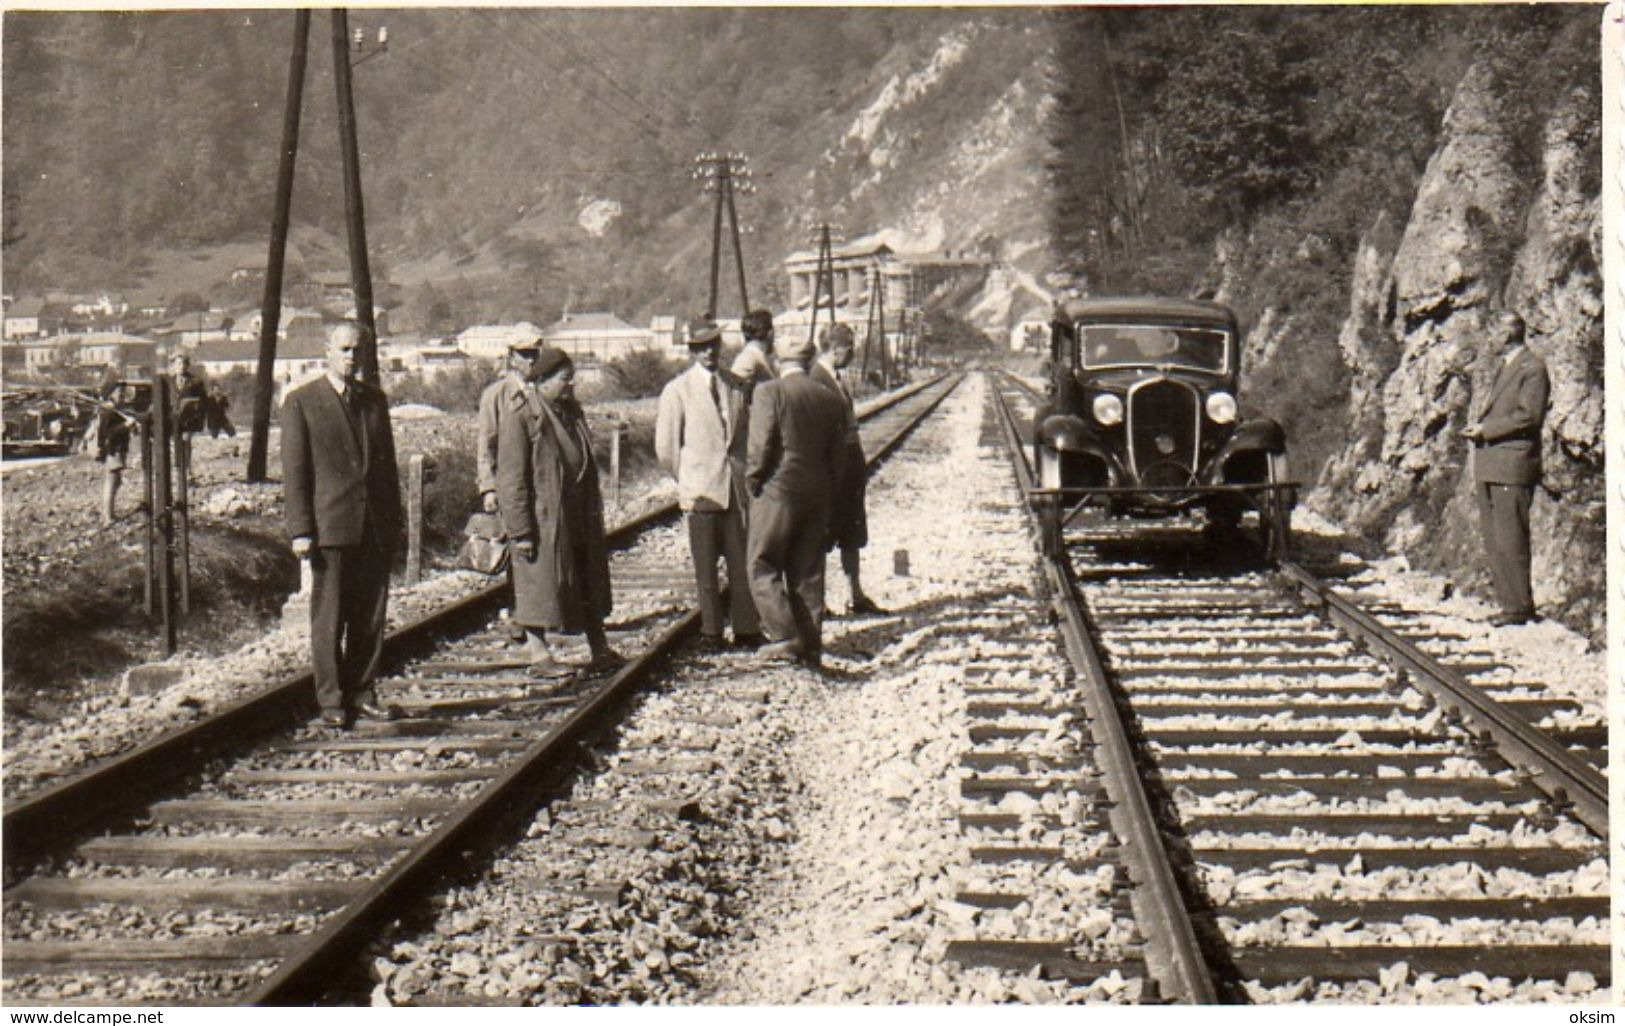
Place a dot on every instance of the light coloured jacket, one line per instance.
(692, 441)
(493, 402)
(754, 364)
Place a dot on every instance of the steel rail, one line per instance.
(1176, 957)
(34, 825)
(1568, 780)
(303, 975)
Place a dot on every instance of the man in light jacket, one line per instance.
(1506, 466)
(702, 418)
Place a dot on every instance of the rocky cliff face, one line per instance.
(1478, 239)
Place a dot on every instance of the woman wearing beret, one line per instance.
(547, 490)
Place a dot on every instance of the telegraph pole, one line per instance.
(354, 215)
(271, 307)
(824, 236)
(725, 174)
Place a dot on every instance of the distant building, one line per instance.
(200, 326)
(22, 318)
(145, 303)
(136, 355)
(250, 324)
(867, 274)
(665, 332)
(596, 337)
(297, 360)
(491, 341)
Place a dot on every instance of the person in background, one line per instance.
(1506, 466)
(113, 431)
(551, 508)
(497, 397)
(849, 523)
(701, 415)
(341, 491)
(189, 392)
(754, 363)
(794, 466)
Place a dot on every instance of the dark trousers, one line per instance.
(714, 533)
(1503, 511)
(786, 547)
(349, 597)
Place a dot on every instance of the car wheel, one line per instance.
(1275, 513)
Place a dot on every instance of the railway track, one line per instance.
(1324, 795)
(249, 857)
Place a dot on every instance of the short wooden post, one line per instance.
(183, 514)
(149, 591)
(414, 518)
(163, 509)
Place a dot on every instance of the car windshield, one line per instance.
(1121, 345)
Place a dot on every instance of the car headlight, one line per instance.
(1108, 410)
(1221, 407)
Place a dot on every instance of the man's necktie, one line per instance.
(716, 400)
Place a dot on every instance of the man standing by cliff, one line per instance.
(1506, 466)
(702, 415)
(342, 495)
(794, 467)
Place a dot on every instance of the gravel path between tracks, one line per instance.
(774, 836)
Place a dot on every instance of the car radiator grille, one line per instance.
(1163, 423)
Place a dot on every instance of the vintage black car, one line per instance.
(1143, 418)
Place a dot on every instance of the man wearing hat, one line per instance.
(702, 419)
(849, 524)
(497, 397)
(794, 464)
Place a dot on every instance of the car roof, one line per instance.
(1124, 309)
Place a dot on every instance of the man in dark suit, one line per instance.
(849, 522)
(342, 494)
(1506, 466)
(794, 465)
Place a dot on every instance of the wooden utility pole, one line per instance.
(271, 307)
(824, 237)
(354, 214)
(725, 174)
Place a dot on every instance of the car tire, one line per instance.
(1275, 513)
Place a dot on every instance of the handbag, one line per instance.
(485, 549)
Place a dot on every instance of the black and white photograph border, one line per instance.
(1266, 660)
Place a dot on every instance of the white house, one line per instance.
(491, 341)
(596, 337)
(22, 318)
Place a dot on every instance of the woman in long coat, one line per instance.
(547, 490)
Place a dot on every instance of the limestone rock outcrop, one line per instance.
(1480, 237)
